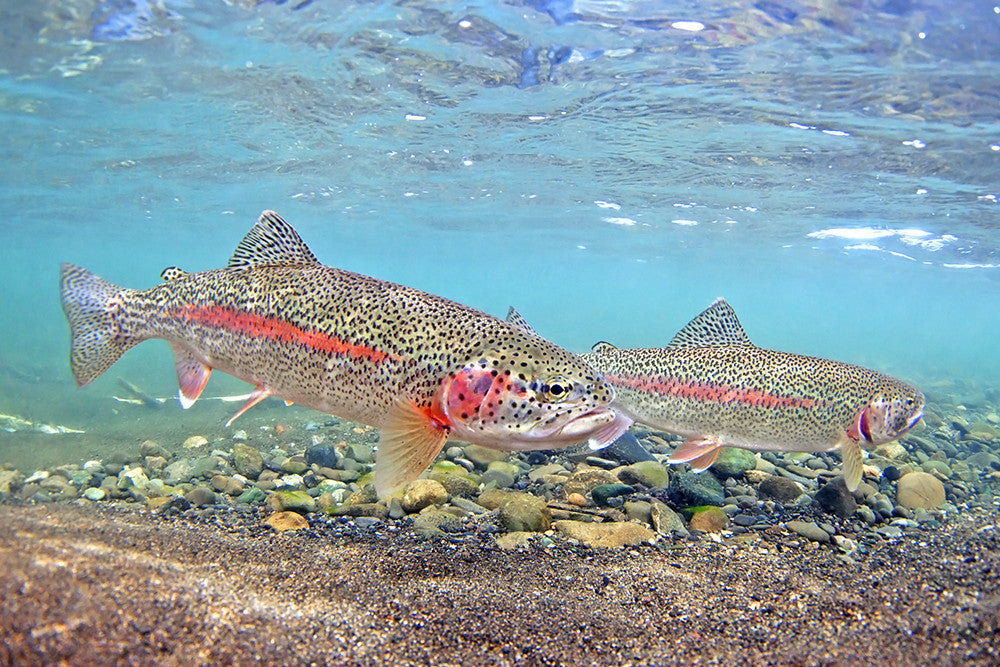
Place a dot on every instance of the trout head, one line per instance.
(514, 402)
(889, 414)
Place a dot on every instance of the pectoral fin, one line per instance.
(699, 452)
(850, 452)
(409, 442)
(192, 376)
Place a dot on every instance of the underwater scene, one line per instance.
(544, 332)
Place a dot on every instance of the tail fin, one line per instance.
(92, 307)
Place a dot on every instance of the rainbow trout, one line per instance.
(711, 385)
(418, 367)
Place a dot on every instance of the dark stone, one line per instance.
(690, 488)
(627, 449)
(602, 492)
(323, 455)
(891, 473)
(175, 504)
(836, 499)
(744, 520)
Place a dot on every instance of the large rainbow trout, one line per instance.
(419, 367)
(711, 385)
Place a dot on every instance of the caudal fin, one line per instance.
(92, 306)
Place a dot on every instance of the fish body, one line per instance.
(419, 367)
(715, 388)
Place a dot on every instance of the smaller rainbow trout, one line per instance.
(711, 385)
(417, 366)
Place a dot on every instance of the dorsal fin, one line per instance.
(515, 318)
(172, 273)
(603, 347)
(271, 242)
(716, 326)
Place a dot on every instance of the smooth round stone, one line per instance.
(200, 496)
(891, 473)
(247, 461)
(524, 512)
(779, 488)
(650, 474)
(323, 455)
(709, 520)
(808, 530)
(666, 521)
(609, 535)
(500, 479)
(734, 462)
(603, 492)
(421, 493)
(298, 501)
(698, 489)
(252, 496)
(284, 521)
(195, 441)
(505, 467)
(939, 466)
(920, 489)
(745, 520)
(95, 493)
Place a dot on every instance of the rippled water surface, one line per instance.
(610, 168)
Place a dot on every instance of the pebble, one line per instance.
(603, 492)
(421, 493)
(525, 512)
(95, 493)
(709, 520)
(779, 488)
(200, 496)
(920, 489)
(734, 462)
(666, 521)
(195, 441)
(650, 474)
(606, 535)
(808, 530)
(836, 499)
(284, 521)
(247, 461)
(697, 489)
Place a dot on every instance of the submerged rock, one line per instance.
(651, 474)
(524, 512)
(607, 535)
(421, 493)
(709, 519)
(809, 530)
(920, 489)
(247, 461)
(836, 499)
(697, 489)
(779, 488)
(283, 521)
(734, 462)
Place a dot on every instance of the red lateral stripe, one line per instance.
(710, 392)
(258, 326)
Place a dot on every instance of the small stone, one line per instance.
(697, 489)
(650, 474)
(200, 496)
(940, 467)
(433, 521)
(920, 489)
(421, 493)
(295, 465)
(524, 512)
(638, 510)
(298, 501)
(603, 492)
(483, 456)
(734, 462)
(779, 488)
(94, 493)
(709, 519)
(666, 521)
(519, 539)
(206, 466)
(491, 498)
(809, 530)
(323, 455)
(505, 467)
(583, 481)
(550, 469)
(468, 505)
(228, 485)
(460, 485)
(195, 441)
(498, 478)
(892, 451)
(252, 496)
(151, 448)
(282, 521)
(577, 499)
(360, 452)
(836, 499)
(37, 476)
(247, 461)
(605, 535)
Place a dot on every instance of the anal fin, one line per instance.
(256, 396)
(192, 375)
(699, 452)
(410, 440)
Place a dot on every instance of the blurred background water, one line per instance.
(610, 168)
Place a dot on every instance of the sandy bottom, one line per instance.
(87, 585)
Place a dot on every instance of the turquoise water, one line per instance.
(609, 168)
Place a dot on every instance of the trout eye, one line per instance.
(556, 390)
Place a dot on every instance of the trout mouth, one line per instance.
(599, 427)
